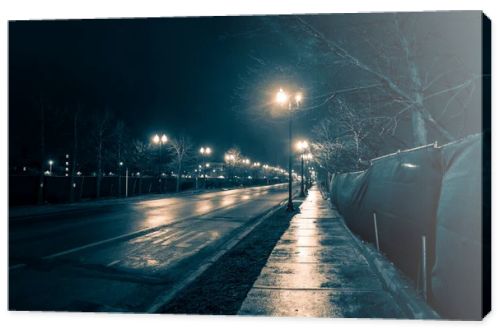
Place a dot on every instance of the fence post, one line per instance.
(424, 266)
(376, 230)
(126, 182)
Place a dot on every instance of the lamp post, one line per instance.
(302, 146)
(205, 151)
(120, 165)
(51, 162)
(230, 160)
(308, 158)
(282, 98)
(160, 140)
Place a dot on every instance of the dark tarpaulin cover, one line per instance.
(428, 191)
(402, 189)
(457, 274)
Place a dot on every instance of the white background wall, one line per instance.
(37, 322)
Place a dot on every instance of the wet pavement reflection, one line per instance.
(316, 270)
(126, 275)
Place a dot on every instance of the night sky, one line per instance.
(176, 75)
(213, 78)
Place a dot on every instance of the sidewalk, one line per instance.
(317, 269)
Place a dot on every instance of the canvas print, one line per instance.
(332, 165)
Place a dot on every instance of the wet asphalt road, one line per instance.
(120, 256)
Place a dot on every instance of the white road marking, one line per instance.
(113, 263)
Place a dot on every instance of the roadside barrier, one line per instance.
(422, 209)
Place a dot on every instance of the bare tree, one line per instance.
(101, 131)
(344, 140)
(393, 53)
(120, 150)
(232, 159)
(141, 156)
(182, 150)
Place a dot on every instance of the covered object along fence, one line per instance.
(429, 191)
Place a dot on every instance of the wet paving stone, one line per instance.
(317, 270)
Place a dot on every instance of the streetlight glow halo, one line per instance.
(281, 96)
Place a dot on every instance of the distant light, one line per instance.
(205, 150)
(302, 145)
(121, 163)
(51, 162)
(298, 98)
(164, 139)
(281, 97)
(156, 139)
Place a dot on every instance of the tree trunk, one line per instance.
(419, 128)
(178, 184)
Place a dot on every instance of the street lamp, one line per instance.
(160, 140)
(282, 98)
(120, 165)
(308, 157)
(51, 162)
(302, 146)
(205, 151)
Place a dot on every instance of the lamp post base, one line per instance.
(289, 206)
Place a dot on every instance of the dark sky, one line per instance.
(213, 77)
(173, 75)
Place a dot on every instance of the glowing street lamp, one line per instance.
(229, 158)
(282, 98)
(308, 157)
(160, 140)
(51, 162)
(205, 151)
(120, 165)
